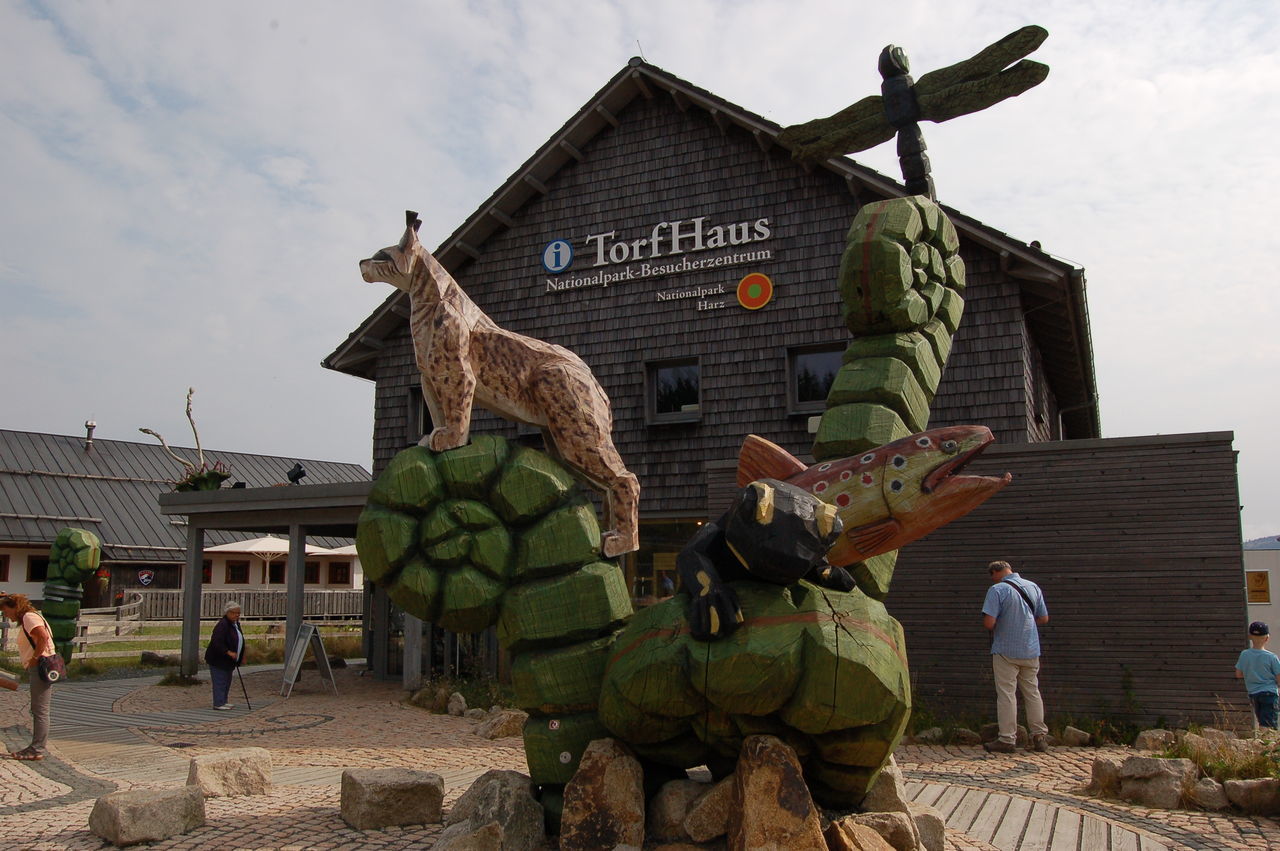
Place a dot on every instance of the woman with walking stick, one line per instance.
(225, 653)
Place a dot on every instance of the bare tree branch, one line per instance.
(199, 452)
(175, 456)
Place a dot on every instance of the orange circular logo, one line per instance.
(754, 291)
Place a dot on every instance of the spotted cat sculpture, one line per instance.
(465, 358)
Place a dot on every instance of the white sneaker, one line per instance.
(225, 706)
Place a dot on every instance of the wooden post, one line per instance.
(380, 620)
(191, 589)
(412, 672)
(294, 577)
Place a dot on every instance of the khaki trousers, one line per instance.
(41, 693)
(1012, 676)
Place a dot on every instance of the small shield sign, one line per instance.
(146, 577)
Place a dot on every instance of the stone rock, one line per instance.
(604, 801)
(463, 836)
(146, 815)
(930, 826)
(991, 732)
(1105, 776)
(964, 736)
(708, 816)
(931, 736)
(1208, 794)
(1154, 782)
(898, 829)
(846, 835)
(1255, 797)
(504, 798)
(502, 723)
(771, 807)
(243, 771)
(885, 795)
(1155, 740)
(475, 714)
(667, 809)
(1075, 737)
(374, 798)
(1215, 735)
(457, 704)
(683, 846)
(1222, 748)
(150, 657)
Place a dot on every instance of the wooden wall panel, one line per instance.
(1136, 543)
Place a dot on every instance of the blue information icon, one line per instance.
(557, 256)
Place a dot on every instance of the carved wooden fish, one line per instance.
(886, 497)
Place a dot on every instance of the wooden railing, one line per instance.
(121, 620)
(165, 604)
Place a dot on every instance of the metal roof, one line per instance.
(111, 488)
(1054, 301)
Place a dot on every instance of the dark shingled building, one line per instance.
(625, 238)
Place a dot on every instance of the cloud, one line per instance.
(188, 187)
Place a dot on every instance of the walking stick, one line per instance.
(243, 689)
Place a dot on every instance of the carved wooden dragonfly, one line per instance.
(969, 86)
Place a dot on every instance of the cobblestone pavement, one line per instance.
(46, 805)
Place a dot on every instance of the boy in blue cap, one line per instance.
(1260, 670)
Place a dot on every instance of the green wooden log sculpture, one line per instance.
(73, 558)
(494, 533)
(902, 282)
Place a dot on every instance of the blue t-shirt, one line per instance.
(1015, 632)
(1260, 668)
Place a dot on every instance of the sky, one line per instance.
(185, 189)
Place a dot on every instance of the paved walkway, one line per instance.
(130, 733)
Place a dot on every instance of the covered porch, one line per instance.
(298, 512)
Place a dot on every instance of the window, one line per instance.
(37, 568)
(275, 573)
(4, 568)
(311, 573)
(660, 543)
(206, 571)
(418, 423)
(810, 373)
(237, 572)
(340, 573)
(673, 391)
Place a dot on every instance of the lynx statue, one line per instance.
(464, 357)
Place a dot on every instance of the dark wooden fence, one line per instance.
(1136, 543)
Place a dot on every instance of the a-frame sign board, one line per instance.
(308, 635)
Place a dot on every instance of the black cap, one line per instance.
(1258, 628)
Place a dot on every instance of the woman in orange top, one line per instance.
(17, 608)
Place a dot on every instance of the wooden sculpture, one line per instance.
(969, 86)
(889, 496)
(496, 533)
(464, 357)
(770, 634)
(73, 558)
(773, 531)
